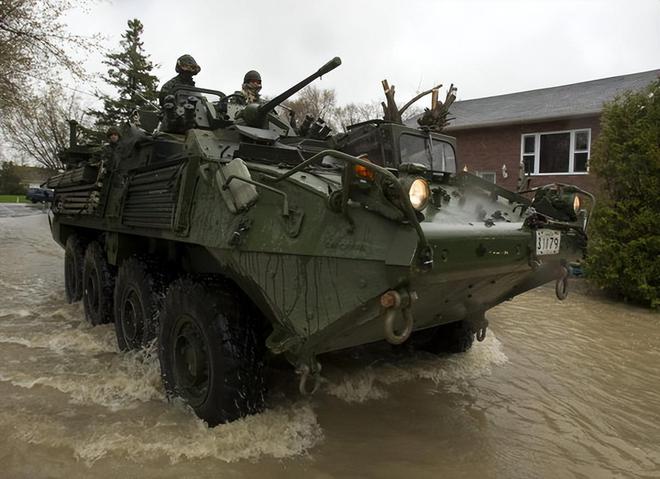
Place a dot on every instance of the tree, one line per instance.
(39, 129)
(10, 181)
(316, 102)
(624, 245)
(353, 113)
(129, 73)
(322, 103)
(34, 45)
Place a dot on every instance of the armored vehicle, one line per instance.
(230, 237)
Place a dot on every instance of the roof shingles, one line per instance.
(578, 99)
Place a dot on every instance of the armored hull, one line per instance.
(213, 233)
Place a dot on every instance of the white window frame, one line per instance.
(572, 151)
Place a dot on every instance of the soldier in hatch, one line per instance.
(250, 89)
(113, 136)
(186, 67)
(109, 152)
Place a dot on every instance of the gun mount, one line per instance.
(256, 115)
(187, 106)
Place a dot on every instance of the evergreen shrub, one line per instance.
(624, 235)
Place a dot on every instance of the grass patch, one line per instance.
(13, 199)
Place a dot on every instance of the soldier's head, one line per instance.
(112, 135)
(252, 81)
(186, 65)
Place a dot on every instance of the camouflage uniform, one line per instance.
(109, 151)
(186, 67)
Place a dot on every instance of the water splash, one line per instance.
(371, 383)
(179, 436)
(115, 381)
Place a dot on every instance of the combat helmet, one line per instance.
(112, 131)
(252, 75)
(186, 63)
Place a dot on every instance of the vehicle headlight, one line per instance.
(576, 204)
(419, 194)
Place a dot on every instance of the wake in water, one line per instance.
(178, 435)
(71, 388)
(370, 381)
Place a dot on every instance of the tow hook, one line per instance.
(309, 377)
(561, 286)
(479, 324)
(481, 333)
(394, 301)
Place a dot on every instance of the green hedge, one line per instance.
(624, 236)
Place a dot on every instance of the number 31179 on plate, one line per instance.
(547, 242)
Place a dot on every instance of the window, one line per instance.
(416, 149)
(487, 175)
(436, 155)
(561, 152)
(448, 156)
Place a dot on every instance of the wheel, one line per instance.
(138, 296)
(456, 337)
(98, 283)
(74, 256)
(211, 351)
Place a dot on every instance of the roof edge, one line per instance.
(535, 90)
(522, 121)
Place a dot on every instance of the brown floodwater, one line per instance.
(557, 390)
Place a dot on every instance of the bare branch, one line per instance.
(423, 94)
(40, 134)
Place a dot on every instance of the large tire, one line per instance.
(456, 337)
(211, 351)
(98, 284)
(74, 257)
(138, 297)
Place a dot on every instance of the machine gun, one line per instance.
(256, 115)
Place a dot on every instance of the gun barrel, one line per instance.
(331, 65)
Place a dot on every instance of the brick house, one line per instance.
(550, 130)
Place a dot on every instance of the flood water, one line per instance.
(557, 390)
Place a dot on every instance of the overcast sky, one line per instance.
(484, 47)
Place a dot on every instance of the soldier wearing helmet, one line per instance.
(250, 89)
(186, 67)
(109, 151)
(112, 135)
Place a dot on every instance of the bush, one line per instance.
(624, 244)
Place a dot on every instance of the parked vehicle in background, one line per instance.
(39, 195)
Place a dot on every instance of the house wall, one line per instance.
(487, 149)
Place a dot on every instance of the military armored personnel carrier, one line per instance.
(230, 237)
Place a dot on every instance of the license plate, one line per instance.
(547, 242)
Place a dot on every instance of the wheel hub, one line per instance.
(191, 361)
(92, 292)
(132, 317)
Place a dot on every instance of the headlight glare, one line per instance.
(419, 194)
